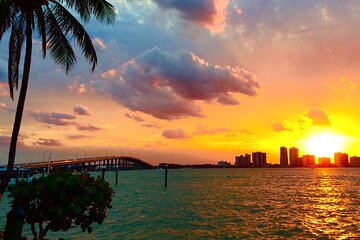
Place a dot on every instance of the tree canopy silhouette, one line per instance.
(55, 25)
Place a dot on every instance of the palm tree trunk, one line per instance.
(20, 107)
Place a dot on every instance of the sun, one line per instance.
(324, 144)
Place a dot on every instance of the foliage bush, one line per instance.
(62, 200)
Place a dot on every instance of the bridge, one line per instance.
(91, 164)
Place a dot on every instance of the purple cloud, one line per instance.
(208, 13)
(82, 110)
(134, 117)
(76, 137)
(5, 142)
(54, 118)
(48, 142)
(175, 134)
(87, 127)
(200, 11)
(166, 85)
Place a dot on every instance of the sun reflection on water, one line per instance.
(329, 207)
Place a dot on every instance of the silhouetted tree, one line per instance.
(54, 24)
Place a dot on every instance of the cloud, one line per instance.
(202, 130)
(141, 120)
(77, 137)
(53, 118)
(5, 142)
(48, 142)
(343, 85)
(207, 13)
(175, 134)
(133, 117)
(167, 85)
(82, 110)
(150, 125)
(87, 127)
(98, 42)
(5, 107)
(3, 89)
(319, 118)
(77, 87)
(279, 127)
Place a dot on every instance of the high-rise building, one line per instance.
(355, 161)
(341, 159)
(301, 161)
(284, 161)
(294, 156)
(259, 159)
(243, 160)
(324, 162)
(308, 160)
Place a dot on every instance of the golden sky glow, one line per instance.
(199, 83)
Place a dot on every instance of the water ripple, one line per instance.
(231, 204)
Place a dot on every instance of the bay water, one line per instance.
(267, 203)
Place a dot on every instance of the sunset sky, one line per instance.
(198, 82)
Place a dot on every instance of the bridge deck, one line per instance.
(112, 161)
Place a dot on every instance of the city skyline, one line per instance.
(291, 158)
(197, 86)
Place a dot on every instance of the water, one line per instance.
(229, 204)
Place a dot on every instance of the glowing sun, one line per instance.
(324, 144)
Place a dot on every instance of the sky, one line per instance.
(197, 81)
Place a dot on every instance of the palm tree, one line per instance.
(54, 24)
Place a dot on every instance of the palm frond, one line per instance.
(40, 22)
(17, 37)
(5, 17)
(60, 48)
(102, 10)
(81, 7)
(69, 24)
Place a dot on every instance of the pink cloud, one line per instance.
(3, 89)
(279, 127)
(5, 107)
(167, 85)
(319, 118)
(98, 42)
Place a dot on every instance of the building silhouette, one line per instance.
(294, 157)
(284, 161)
(324, 162)
(243, 160)
(355, 161)
(308, 160)
(259, 159)
(341, 159)
(224, 164)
